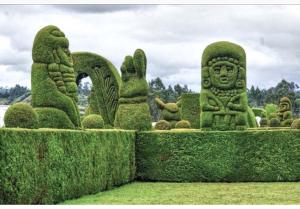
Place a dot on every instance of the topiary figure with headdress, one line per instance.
(223, 98)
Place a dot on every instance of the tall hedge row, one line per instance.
(233, 156)
(49, 166)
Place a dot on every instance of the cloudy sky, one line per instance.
(173, 37)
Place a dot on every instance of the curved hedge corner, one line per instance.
(233, 156)
(49, 166)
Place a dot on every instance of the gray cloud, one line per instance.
(92, 8)
(173, 37)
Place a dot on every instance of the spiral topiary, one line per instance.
(183, 124)
(162, 125)
(274, 122)
(296, 124)
(93, 121)
(21, 115)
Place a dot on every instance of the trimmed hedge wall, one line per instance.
(233, 156)
(190, 108)
(49, 166)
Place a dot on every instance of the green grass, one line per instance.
(196, 193)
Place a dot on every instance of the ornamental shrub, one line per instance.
(190, 108)
(93, 121)
(274, 122)
(296, 124)
(21, 115)
(223, 97)
(134, 112)
(183, 124)
(214, 156)
(264, 122)
(49, 166)
(106, 81)
(162, 125)
(53, 79)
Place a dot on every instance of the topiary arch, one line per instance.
(106, 83)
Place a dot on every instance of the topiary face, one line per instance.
(223, 66)
(223, 74)
(285, 104)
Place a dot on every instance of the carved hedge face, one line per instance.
(51, 46)
(223, 74)
(284, 105)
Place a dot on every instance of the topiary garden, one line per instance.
(211, 136)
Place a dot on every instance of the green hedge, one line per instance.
(233, 156)
(190, 108)
(49, 166)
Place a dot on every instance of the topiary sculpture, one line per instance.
(223, 97)
(263, 122)
(284, 113)
(133, 111)
(162, 125)
(93, 121)
(21, 115)
(106, 80)
(274, 122)
(54, 90)
(183, 124)
(170, 112)
(296, 124)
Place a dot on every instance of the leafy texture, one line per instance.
(133, 112)
(284, 113)
(21, 115)
(49, 166)
(231, 156)
(93, 121)
(53, 80)
(183, 124)
(170, 112)
(190, 108)
(223, 98)
(106, 81)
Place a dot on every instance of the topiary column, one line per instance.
(54, 90)
(133, 111)
(223, 98)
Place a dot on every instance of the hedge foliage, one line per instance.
(21, 115)
(190, 108)
(93, 121)
(106, 81)
(49, 166)
(134, 112)
(52, 78)
(231, 156)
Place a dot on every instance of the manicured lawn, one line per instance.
(196, 193)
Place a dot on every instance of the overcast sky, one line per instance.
(173, 38)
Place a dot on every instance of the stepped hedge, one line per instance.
(49, 166)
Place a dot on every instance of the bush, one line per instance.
(264, 122)
(21, 115)
(103, 99)
(162, 125)
(190, 108)
(50, 166)
(296, 124)
(274, 122)
(53, 83)
(271, 110)
(183, 124)
(93, 121)
(231, 156)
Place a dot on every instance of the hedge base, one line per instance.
(50, 166)
(232, 156)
